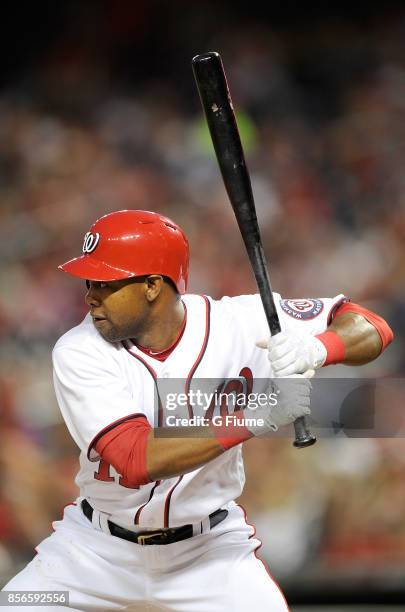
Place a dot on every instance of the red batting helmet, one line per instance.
(131, 243)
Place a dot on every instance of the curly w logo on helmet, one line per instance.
(90, 242)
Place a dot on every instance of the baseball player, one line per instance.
(156, 525)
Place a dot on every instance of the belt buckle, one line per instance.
(142, 538)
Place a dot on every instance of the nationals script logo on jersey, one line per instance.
(303, 309)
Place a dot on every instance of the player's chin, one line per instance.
(108, 331)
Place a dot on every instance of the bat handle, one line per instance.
(303, 436)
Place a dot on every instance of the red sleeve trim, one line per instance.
(109, 428)
(124, 447)
(384, 330)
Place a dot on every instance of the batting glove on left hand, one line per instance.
(293, 398)
(291, 354)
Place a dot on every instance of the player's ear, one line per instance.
(153, 286)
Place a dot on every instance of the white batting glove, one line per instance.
(293, 401)
(291, 354)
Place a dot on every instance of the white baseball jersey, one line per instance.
(100, 384)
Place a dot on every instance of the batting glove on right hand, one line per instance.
(293, 398)
(291, 353)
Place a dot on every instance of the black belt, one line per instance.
(161, 536)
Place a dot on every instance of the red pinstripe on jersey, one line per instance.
(202, 350)
(187, 388)
(138, 512)
(154, 376)
(167, 503)
(152, 372)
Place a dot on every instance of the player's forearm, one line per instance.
(141, 454)
(356, 336)
(361, 340)
(167, 457)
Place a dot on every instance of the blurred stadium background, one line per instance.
(98, 112)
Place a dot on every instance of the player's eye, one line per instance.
(96, 284)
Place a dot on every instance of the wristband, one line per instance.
(230, 435)
(335, 348)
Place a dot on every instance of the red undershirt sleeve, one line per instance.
(384, 330)
(124, 447)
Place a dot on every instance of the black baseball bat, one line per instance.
(216, 100)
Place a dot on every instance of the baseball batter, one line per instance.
(156, 525)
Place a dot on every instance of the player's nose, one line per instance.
(91, 297)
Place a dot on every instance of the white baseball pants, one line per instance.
(214, 572)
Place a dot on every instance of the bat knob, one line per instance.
(303, 436)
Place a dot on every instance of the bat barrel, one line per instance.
(217, 104)
(216, 101)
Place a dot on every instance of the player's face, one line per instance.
(118, 308)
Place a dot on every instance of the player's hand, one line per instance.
(293, 395)
(291, 354)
